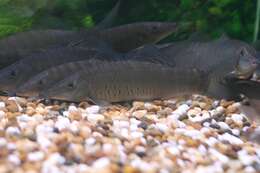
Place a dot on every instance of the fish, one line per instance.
(218, 58)
(16, 74)
(122, 39)
(48, 77)
(120, 81)
(20, 45)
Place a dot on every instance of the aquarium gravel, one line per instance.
(197, 134)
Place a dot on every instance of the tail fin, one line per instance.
(109, 19)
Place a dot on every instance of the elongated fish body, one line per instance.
(49, 77)
(20, 45)
(16, 74)
(130, 36)
(217, 58)
(126, 81)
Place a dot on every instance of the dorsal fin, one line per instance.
(224, 37)
(109, 19)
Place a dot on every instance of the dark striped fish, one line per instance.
(217, 58)
(122, 38)
(20, 45)
(52, 75)
(125, 81)
(16, 74)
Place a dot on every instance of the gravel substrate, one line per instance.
(192, 135)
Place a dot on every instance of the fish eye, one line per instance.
(154, 28)
(70, 85)
(13, 73)
(41, 82)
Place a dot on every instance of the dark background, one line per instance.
(236, 18)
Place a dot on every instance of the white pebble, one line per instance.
(230, 138)
(223, 125)
(43, 141)
(11, 146)
(136, 134)
(206, 124)
(238, 118)
(174, 150)
(2, 105)
(93, 109)
(2, 114)
(24, 118)
(65, 113)
(94, 118)
(62, 123)
(72, 108)
(35, 156)
(211, 141)
(101, 163)
(56, 159)
(13, 158)
(13, 131)
(182, 109)
(249, 169)
(235, 132)
(162, 127)
(3, 142)
(221, 157)
(220, 109)
(90, 141)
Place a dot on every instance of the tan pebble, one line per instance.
(159, 102)
(151, 107)
(250, 150)
(21, 101)
(138, 105)
(30, 104)
(231, 109)
(31, 167)
(85, 132)
(130, 169)
(229, 121)
(75, 115)
(165, 112)
(225, 103)
(41, 110)
(3, 98)
(30, 111)
(194, 112)
(84, 105)
(55, 108)
(192, 142)
(18, 170)
(140, 113)
(5, 169)
(12, 106)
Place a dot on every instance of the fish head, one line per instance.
(65, 89)
(34, 85)
(12, 75)
(156, 31)
(246, 64)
